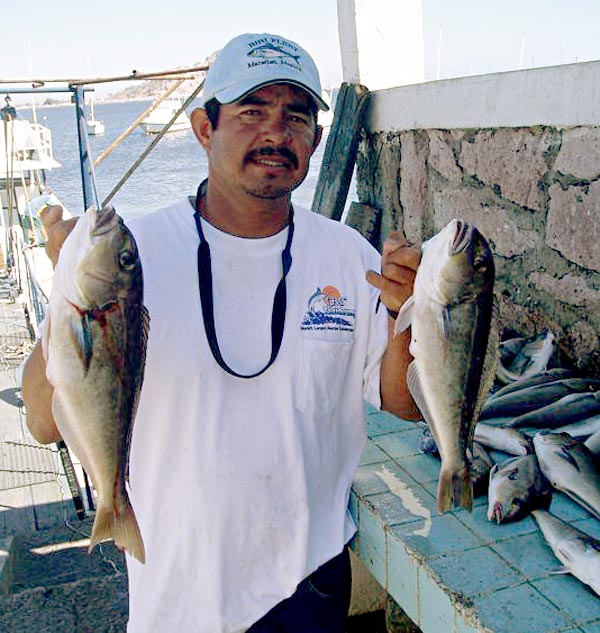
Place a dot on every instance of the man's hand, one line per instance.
(56, 230)
(399, 264)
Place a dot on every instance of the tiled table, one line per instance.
(459, 572)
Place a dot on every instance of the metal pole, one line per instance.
(88, 180)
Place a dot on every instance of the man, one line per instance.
(263, 343)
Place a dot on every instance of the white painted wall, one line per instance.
(381, 42)
(567, 95)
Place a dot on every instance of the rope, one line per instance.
(152, 145)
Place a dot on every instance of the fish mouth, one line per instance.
(104, 222)
(462, 237)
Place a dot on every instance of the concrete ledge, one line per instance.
(556, 95)
(458, 572)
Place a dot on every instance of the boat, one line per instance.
(26, 154)
(95, 127)
(162, 114)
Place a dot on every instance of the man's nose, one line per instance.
(277, 130)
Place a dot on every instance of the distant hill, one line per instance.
(150, 89)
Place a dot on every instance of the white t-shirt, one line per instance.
(241, 486)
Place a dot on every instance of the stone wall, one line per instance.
(533, 191)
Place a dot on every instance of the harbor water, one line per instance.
(173, 169)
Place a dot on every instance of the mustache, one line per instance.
(284, 152)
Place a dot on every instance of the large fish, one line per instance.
(517, 485)
(577, 550)
(593, 443)
(550, 375)
(569, 409)
(96, 353)
(524, 400)
(454, 342)
(570, 467)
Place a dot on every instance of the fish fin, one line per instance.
(416, 391)
(81, 332)
(404, 318)
(123, 529)
(560, 570)
(454, 489)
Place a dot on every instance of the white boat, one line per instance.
(25, 156)
(95, 127)
(162, 114)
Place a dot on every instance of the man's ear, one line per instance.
(318, 136)
(202, 127)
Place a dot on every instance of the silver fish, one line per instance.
(582, 429)
(517, 485)
(569, 409)
(531, 358)
(570, 467)
(550, 375)
(503, 439)
(96, 354)
(454, 342)
(525, 400)
(578, 551)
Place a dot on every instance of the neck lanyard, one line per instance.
(206, 294)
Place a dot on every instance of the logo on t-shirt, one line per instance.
(327, 311)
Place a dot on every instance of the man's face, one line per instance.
(263, 143)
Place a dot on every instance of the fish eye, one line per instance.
(126, 259)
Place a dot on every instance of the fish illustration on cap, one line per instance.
(271, 50)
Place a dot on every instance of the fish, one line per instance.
(272, 51)
(531, 357)
(582, 429)
(526, 400)
(550, 375)
(593, 443)
(454, 344)
(96, 348)
(578, 551)
(517, 486)
(503, 439)
(570, 467)
(569, 409)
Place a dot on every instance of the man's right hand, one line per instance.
(56, 229)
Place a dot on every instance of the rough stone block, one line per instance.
(512, 161)
(441, 155)
(495, 222)
(573, 226)
(579, 154)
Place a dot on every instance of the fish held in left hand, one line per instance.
(95, 352)
(454, 342)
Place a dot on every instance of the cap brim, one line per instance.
(231, 95)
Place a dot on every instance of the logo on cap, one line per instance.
(273, 51)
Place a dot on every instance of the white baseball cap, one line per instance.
(250, 61)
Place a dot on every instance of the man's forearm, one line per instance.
(37, 395)
(395, 395)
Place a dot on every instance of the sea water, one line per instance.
(172, 170)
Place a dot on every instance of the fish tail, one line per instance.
(454, 489)
(122, 527)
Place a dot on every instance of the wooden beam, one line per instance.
(340, 152)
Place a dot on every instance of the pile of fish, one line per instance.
(543, 431)
(95, 352)
(501, 421)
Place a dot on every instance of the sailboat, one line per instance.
(95, 127)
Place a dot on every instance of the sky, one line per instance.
(67, 38)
